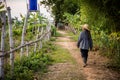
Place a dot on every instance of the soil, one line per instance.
(95, 70)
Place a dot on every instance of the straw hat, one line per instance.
(86, 26)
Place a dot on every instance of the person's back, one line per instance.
(84, 43)
(85, 40)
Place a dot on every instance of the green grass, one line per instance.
(73, 36)
(58, 34)
(61, 55)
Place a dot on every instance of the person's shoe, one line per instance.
(84, 65)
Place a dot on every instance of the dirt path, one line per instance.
(67, 71)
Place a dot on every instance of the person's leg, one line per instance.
(84, 54)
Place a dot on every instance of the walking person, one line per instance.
(85, 43)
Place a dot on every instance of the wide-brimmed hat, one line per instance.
(86, 27)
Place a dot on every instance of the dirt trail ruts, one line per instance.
(67, 71)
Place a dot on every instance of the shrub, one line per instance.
(17, 32)
(27, 66)
(53, 30)
(20, 73)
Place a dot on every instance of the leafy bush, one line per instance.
(73, 20)
(29, 36)
(27, 66)
(20, 73)
(53, 30)
(109, 46)
(17, 32)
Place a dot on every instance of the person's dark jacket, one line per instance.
(85, 40)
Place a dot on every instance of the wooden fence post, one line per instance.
(48, 29)
(47, 34)
(36, 39)
(40, 29)
(35, 48)
(40, 44)
(10, 40)
(27, 49)
(3, 18)
(23, 33)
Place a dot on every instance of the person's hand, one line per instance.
(90, 49)
(77, 46)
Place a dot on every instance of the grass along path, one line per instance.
(68, 63)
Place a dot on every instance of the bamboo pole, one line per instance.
(45, 39)
(3, 18)
(40, 46)
(36, 39)
(27, 49)
(48, 29)
(10, 40)
(40, 29)
(23, 33)
(35, 48)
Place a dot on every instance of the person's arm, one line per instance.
(91, 42)
(79, 39)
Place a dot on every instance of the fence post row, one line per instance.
(40, 35)
(15, 49)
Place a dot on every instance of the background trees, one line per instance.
(103, 16)
(59, 7)
(101, 13)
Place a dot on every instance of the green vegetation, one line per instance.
(103, 18)
(101, 15)
(104, 27)
(53, 30)
(73, 36)
(73, 20)
(61, 6)
(37, 63)
(58, 34)
(26, 67)
(61, 55)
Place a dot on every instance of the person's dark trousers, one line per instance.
(84, 54)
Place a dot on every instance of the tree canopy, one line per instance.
(59, 7)
(105, 12)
